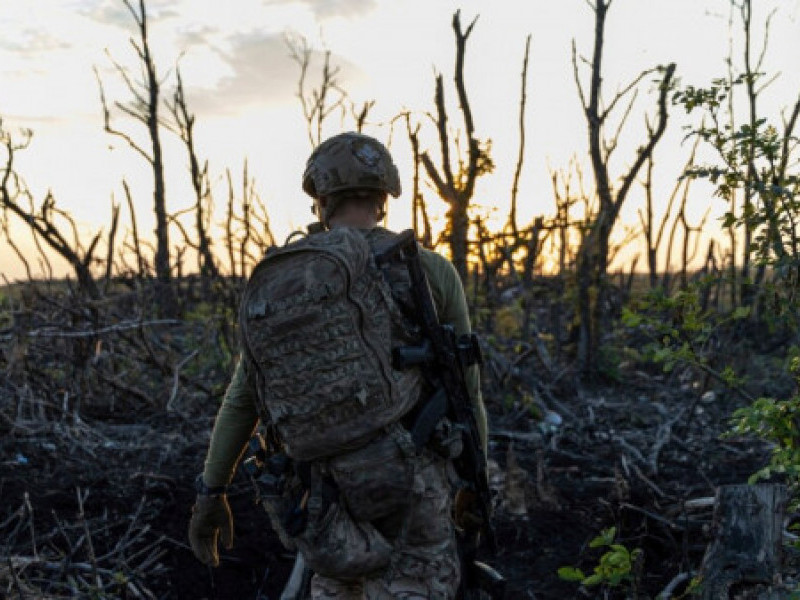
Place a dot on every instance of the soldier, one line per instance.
(384, 491)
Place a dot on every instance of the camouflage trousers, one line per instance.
(424, 563)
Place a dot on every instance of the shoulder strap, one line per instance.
(388, 247)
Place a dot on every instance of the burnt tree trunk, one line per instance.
(746, 551)
(459, 237)
(611, 196)
(457, 187)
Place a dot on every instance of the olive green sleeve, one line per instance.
(451, 302)
(236, 420)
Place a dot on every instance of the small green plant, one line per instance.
(609, 360)
(694, 588)
(617, 566)
(684, 334)
(778, 422)
(216, 352)
(508, 321)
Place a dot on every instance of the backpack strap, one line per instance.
(388, 248)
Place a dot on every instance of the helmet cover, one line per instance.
(350, 161)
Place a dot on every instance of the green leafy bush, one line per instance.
(617, 566)
(777, 422)
(682, 332)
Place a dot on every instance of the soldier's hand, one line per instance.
(211, 518)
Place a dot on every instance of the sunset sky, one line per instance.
(241, 84)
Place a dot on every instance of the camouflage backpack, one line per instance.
(318, 321)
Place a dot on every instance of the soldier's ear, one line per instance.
(380, 205)
(318, 207)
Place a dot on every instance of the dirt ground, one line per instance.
(102, 435)
(627, 456)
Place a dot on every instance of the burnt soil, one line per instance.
(585, 476)
(96, 490)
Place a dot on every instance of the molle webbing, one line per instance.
(319, 321)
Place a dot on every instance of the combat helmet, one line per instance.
(350, 161)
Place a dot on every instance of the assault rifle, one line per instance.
(445, 356)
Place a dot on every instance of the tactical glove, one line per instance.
(211, 516)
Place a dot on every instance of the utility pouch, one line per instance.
(376, 480)
(337, 546)
(333, 543)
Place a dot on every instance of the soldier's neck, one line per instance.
(364, 223)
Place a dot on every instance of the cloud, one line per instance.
(114, 12)
(202, 35)
(326, 9)
(31, 42)
(261, 72)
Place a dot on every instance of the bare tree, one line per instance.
(538, 233)
(326, 99)
(523, 97)
(457, 187)
(112, 236)
(565, 199)
(532, 244)
(248, 234)
(202, 209)
(594, 253)
(689, 251)
(144, 107)
(141, 263)
(43, 222)
(683, 185)
(420, 221)
(360, 114)
(654, 234)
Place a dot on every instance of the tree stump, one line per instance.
(746, 552)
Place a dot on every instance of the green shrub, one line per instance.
(777, 422)
(617, 566)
